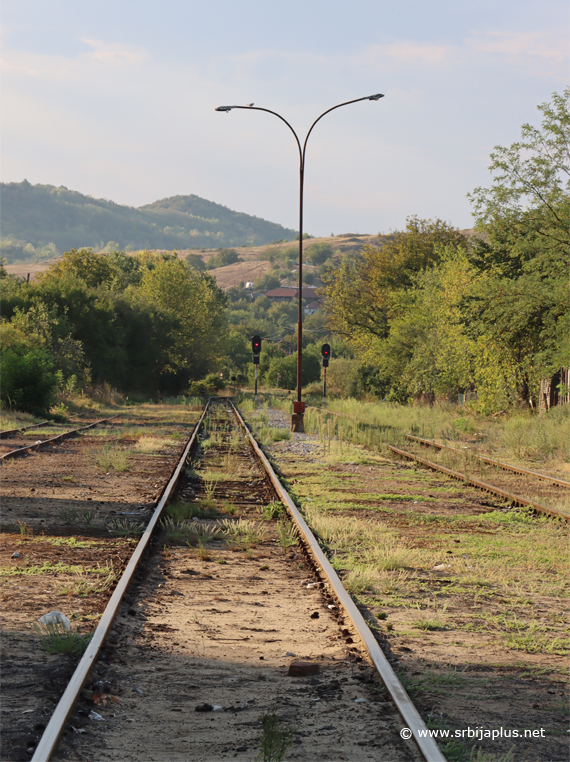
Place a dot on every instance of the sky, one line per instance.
(116, 99)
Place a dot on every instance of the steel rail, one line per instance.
(53, 440)
(10, 432)
(50, 737)
(483, 485)
(406, 708)
(490, 461)
(468, 479)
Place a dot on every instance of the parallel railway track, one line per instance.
(511, 495)
(336, 599)
(35, 446)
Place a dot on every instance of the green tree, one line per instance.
(360, 295)
(223, 258)
(196, 261)
(197, 304)
(29, 378)
(317, 253)
(520, 300)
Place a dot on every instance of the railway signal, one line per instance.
(256, 349)
(326, 353)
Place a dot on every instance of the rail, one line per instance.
(50, 737)
(491, 462)
(406, 708)
(11, 432)
(52, 440)
(482, 485)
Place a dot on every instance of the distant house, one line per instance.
(313, 307)
(282, 294)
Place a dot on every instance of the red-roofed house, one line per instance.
(282, 294)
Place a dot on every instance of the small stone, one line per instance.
(15, 555)
(315, 615)
(132, 612)
(204, 708)
(302, 669)
(290, 653)
(360, 701)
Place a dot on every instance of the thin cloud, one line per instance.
(116, 53)
(520, 46)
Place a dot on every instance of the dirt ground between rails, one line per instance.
(460, 674)
(56, 552)
(223, 632)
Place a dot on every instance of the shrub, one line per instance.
(29, 379)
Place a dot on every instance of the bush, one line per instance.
(317, 253)
(29, 379)
(223, 258)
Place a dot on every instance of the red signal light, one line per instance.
(326, 351)
(256, 345)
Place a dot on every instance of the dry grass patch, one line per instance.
(152, 445)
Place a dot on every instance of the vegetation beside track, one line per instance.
(470, 596)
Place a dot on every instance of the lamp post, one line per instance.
(297, 418)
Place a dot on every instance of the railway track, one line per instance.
(56, 439)
(225, 504)
(510, 489)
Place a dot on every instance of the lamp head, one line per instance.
(224, 108)
(376, 97)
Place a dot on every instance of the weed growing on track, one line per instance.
(180, 511)
(431, 616)
(48, 568)
(272, 510)
(112, 457)
(243, 531)
(286, 534)
(275, 739)
(55, 639)
(125, 527)
(82, 587)
(187, 532)
(70, 542)
(478, 755)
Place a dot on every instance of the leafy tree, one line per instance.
(532, 179)
(223, 258)
(29, 378)
(520, 300)
(317, 253)
(361, 293)
(196, 261)
(197, 304)
(85, 265)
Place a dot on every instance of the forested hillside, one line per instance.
(41, 221)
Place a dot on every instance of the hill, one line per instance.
(253, 262)
(41, 221)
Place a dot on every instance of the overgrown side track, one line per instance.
(490, 461)
(544, 489)
(507, 494)
(52, 440)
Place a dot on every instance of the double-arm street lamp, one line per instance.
(299, 406)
